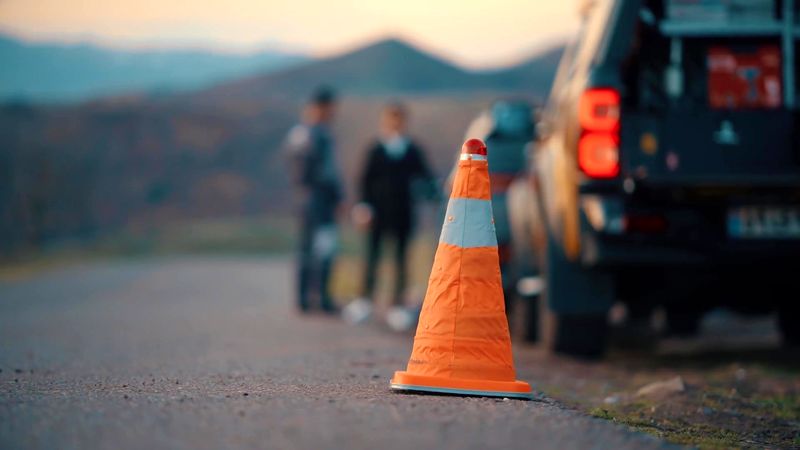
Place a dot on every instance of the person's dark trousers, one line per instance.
(314, 269)
(374, 243)
(304, 266)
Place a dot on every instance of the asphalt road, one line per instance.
(207, 353)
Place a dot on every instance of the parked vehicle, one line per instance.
(667, 170)
(507, 127)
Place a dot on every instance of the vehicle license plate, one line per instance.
(759, 222)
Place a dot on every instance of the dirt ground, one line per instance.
(739, 388)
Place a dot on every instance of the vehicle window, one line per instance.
(648, 68)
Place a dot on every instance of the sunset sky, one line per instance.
(473, 33)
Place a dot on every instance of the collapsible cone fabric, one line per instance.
(462, 344)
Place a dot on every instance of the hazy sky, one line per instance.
(474, 33)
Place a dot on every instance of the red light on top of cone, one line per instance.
(474, 147)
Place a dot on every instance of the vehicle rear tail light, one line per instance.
(599, 110)
(598, 155)
(598, 147)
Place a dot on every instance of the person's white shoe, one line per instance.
(358, 311)
(400, 319)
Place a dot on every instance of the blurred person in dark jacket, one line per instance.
(312, 155)
(395, 165)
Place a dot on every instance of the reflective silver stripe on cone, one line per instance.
(468, 223)
(472, 157)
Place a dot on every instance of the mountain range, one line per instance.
(50, 72)
(54, 72)
(393, 66)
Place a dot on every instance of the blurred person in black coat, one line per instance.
(395, 166)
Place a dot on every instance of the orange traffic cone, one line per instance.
(462, 344)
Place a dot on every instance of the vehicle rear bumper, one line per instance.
(605, 251)
(695, 234)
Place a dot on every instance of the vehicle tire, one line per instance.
(582, 336)
(789, 325)
(574, 306)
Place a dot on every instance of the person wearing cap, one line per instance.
(311, 152)
(395, 165)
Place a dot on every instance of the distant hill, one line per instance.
(391, 66)
(59, 73)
